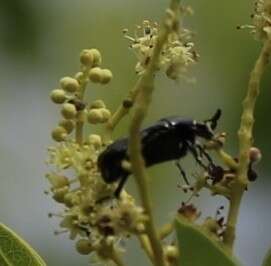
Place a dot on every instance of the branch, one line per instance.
(145, 87)
(245, 142)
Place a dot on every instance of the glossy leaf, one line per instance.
(267, 259)
(14, 251)
(197, 248)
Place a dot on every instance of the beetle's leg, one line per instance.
(203, 152)
(194, 152)
(182, 172)
(120, 186)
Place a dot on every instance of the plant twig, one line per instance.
(145, 87)
(79, 126)
(245, 142)
(115, 256)
(121, 111)
(145, 244)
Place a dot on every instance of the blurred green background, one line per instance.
(40, 42)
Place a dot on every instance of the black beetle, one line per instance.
(168, 139)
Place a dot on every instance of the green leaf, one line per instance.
(14, 251)
(267, 259)
(197, 248)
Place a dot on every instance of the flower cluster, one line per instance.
(177, 55)
(90, 213)
(261, 20)
(70, 95)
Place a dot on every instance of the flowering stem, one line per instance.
(145, 87)
(245, 142)
(128, 102)
(145, 244)
(121, 111)
(115, 256)
(166, 230)
(79, 127)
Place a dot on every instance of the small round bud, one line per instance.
(87, 58)
(58, 96)
(95, 140)
(171, 252)
(68, 111)
(94, 116)
(255, 154)
(110, 240)
(57, 181)
(79, 76)
(60, 193)
(97, 104)
(84, 247)
(59, 134)
(105, 113)
(140, 228)
(67, 124)
(68, 199)
(106, 76)
(97, 58)
(126, 165)
(69, 84)
(95, 74)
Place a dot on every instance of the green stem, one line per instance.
(145, 244)
(227, 159)
(79, 126)
(166, 230)
(145, 87)
(115, 256)
(245, 142)
(121, 111)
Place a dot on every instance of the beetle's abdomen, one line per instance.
(109, 161)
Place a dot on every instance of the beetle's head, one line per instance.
(206, 129)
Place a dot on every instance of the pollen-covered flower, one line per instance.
(177, 55)
(261, 20)
(90, 211)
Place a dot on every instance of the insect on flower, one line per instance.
(168, 139)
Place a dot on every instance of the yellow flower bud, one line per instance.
(68, 111)
(67, 124)
(106, 76)
(57, 181)
(68, 199)
(255, 154)
(60, 193)
(79, 76)
(171, 252)
(97, 58)
(87, 58)
(69, 84)
(97, 104)
(58, 96)
(105, 113)
(59, 134)
(95, 140)
(94, 116)
(95, 74)
(84, 247)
